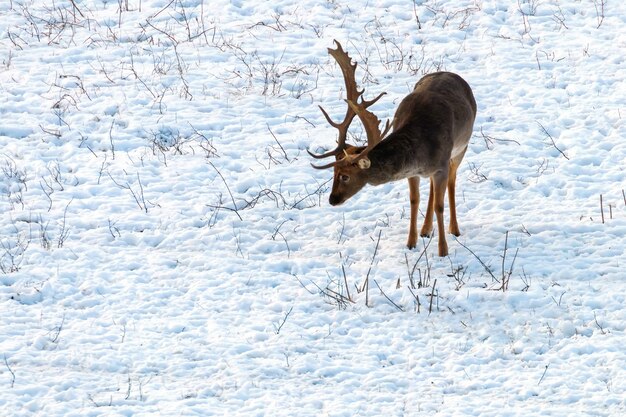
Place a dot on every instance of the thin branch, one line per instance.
(6, 363)
(432, 295)
(417, 18)
(543, 375)
(367, 277)
(64, 233)
(345, 281)
(417, 300)
(280, 326)
(279, 144)
(389, 299)
(304, 286)
(552, 140)
(479, 260)
(490, 139)
(228, 189)
(111, 138)
(57, 331)
(77, 9)
(601, 208)
(506, 242)
(595, 318)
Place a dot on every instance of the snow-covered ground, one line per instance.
(167, 249)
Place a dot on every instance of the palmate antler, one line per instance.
(357, 106)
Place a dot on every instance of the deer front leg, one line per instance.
(454, 226)
(440, 181)
(454, 165)
(427, 227)
(414, 198)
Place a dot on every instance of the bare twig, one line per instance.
(345, 281)
(599, 5)
(526, 280)
(490, 139)
(114, 230)
(477, 176)
(304, 286)
(418, 305)
(389, 299)
(111, 139)
(282, 323)
(545, 131)
(130, 385)
(595, 318)
(367, 276)
(411, 271)
(560, 300)
(543, 375)
(367, 291)
(57, 331)
(432, 295)
(143, 199)
(340, 299)
(55, 133)
(601, 209)
(479, 260)
(279, 144)
(64, 233)
(343, 227)
(235, 209)
(321, 189)
(417, 18)
(6, 363)
(48, 192)
(506, 242)
(277, 232)
(506, 275)
(138, 197)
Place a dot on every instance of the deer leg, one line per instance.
(440, 181)
(414, 198)
(454, 165)
(427, 227)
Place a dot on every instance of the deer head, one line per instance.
(351, 162)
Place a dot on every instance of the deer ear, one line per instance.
(364, 163)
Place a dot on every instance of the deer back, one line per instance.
(431, 125)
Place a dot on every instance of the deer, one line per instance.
(432, 127)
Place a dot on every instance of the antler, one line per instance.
(355, 107)
(348, 69)
(371, 124)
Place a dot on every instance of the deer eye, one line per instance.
(344, 178)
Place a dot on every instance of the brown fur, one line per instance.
(431, 130)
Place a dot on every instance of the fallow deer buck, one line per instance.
(431, 130)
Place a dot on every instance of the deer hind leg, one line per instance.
(414, 198)
(439, 181)
(454, 165)
(427, 227)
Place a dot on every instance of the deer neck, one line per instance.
(390, 162)
(387, 165)
(401, 156)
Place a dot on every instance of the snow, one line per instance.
(167, 249)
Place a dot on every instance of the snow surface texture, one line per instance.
(166, 248)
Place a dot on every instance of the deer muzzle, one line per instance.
(335, 199)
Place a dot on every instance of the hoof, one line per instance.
(454, 231)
